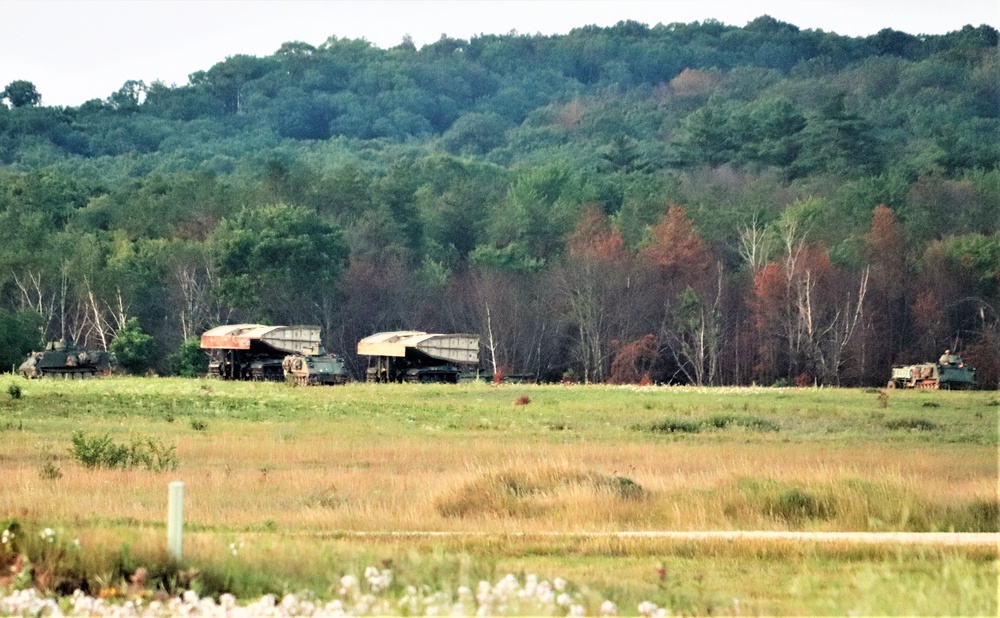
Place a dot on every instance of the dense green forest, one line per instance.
(688, 203)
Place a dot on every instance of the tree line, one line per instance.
(693, 203)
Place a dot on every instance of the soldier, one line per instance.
(950, 359)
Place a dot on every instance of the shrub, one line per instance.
(132, 348)
(14, 391)
(189, 361)
(102, 452)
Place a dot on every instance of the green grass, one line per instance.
(285, 475)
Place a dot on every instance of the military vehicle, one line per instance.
(259, 352)
(65, 360)
(416, 356)
(950, 372)
(310, 370)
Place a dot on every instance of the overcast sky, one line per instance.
(77, 50)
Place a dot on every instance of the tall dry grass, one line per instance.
(252, 481)
(278, 478)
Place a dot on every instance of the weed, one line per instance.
(14, 391)
(523, 400)
(930, 404)
(883, 399)
(198, 425)
(50, 472)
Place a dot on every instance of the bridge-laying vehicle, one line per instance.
(271, 353)
(416, 356)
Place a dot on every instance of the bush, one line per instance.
(132, 348)
(102, 452)
(189, 361)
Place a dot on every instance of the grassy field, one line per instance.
(277, 479)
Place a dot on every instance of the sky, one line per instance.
(77, 50)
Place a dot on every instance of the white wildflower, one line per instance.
(608, 609)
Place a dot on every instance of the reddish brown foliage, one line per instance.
(634, 361)
(523, 400)
(803, 380)
(594, 237)
(678, 251)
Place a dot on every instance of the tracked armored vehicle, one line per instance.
(259, 352)
(950, 372)
(310, 370)
(416, 356)
(64, 360)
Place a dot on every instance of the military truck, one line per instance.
(64, 360)
(259, 352)
(416, 356)
(950, 372)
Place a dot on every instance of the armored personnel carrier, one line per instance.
(319, 369)
(950, 372)
(64, 360)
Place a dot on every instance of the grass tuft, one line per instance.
(671, 425)
(534, 493)
(911, 424)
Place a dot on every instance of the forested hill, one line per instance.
(687, 202)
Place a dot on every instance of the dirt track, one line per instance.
(899, 538)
